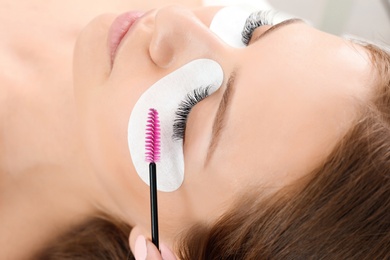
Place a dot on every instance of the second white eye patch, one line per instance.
(228, 23)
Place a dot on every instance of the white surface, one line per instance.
(228, 24)
(369, 19)
(257, 4)
(165, 96)
(364, 18)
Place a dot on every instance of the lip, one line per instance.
(119, 28)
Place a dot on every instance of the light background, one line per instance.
(369, 19)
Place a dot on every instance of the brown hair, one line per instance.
(97, 238)
(339, 211)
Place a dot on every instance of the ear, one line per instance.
(135, 232)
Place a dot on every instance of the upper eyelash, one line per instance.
(185, 106)
(256, 20)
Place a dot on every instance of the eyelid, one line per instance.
(277, 26)
(256, 20)
(263, 29)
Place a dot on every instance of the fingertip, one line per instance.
(152, 252)
(134, 234)
(166, 252)
(140, 249)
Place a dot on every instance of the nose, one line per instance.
(179, 37)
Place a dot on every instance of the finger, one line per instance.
(140, 249)
(145, 249)
(152, 252)
(135, 232)
(166, 253)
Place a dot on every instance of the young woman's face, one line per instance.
(293, 93)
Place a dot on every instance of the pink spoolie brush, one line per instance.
(152, 155)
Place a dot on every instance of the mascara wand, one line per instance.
(152, 155)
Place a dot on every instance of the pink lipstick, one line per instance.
(119, 28)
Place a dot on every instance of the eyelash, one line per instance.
(185, 106)
(256, 20)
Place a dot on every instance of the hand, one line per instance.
(145, 249)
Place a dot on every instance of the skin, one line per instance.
(278, 127)
(43, 190)
(73, 162)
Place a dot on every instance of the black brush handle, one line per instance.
(153, 202)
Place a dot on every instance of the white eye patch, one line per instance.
(165, 96)
(228, 23)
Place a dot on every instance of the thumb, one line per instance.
(145, 249)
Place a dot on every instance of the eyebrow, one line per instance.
(277, 27)
(220, 118)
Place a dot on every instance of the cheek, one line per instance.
(209, 192)
(104, 129)
(104, 112)
(104, 133)
(104, 115)
(175, 213)
(91, 60)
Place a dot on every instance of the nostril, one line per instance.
(167, 35)
(178, 37)
(161, 53)
(149, 18)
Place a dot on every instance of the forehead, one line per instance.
(295, 96)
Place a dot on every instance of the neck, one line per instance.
(46, 185)
(39, 204)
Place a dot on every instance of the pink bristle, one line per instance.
(152, 140)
